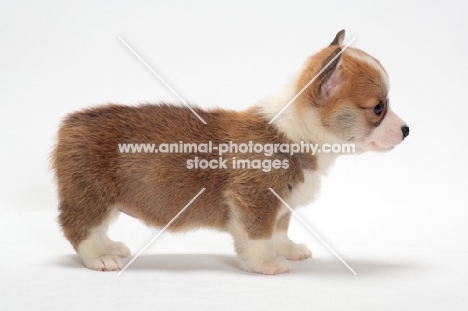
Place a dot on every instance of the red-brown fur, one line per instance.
(92, 175)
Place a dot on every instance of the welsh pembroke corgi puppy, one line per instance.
(346, 103)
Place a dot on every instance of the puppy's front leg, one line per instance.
(284, 246)
(252, 230)
(260, 256)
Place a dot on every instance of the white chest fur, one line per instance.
(306, 192)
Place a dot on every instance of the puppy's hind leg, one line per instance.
(98, 251)
(115, 248)
(85, 226)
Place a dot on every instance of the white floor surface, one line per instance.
(198, 271)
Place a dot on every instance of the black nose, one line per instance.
(405, 131)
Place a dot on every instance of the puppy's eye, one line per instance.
(379, 108)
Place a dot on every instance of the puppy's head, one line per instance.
(349, 94)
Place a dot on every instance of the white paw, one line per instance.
(293, 251)
(104, 263)
(276, 265)
(98, 252)
(270, 266)
(118, 248)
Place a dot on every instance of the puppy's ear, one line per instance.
(338, 38)
(331, 77)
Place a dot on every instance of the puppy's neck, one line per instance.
(305, 126)
(298, 126)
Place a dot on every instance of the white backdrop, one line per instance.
(406, 206)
